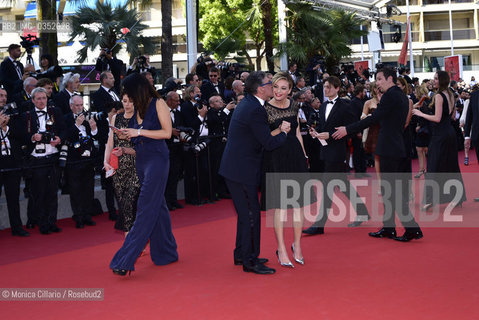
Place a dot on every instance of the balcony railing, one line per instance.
(458, 34)
(387, 38)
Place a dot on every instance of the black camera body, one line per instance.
(47, 136)
(141, 61)
(97, 116)
(11, 109)
(199, 103)
(29, 41)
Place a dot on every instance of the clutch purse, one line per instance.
(114, 161)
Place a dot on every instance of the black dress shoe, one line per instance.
(112, 216)
(30, 225)
(89, 222)
(239, 262)
(54, 228)
(79, 225)
(170, 207)
(314, 230)
(259, 269)
(178, 205)
(45, 231)
(359, 221)
(384, 233)
(20, 232)
(410, 235)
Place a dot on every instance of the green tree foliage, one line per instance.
(102, 26)
(226, 25)
(313, 30)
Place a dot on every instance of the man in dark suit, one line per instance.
(11, 71)
(23, 98)
(472, 123)
(359, 159)
(212, 86)
(249, 134)
(175, 146)
(71, 82)
(106, 93)
(107, 62)
(80, 173)
(334, 113)
(11, 140)
(44, 130)
(391, 113)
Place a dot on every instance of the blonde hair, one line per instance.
(283, 76)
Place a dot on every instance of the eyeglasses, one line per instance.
(213, 76)
(265, 84)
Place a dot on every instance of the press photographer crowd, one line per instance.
(52, 143)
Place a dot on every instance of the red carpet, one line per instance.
(347, 275)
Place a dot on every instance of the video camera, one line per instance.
(29, 41)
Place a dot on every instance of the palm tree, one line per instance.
(110, 27)
(327, 32)
(166, 40)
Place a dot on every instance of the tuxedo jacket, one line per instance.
(472, 119)
(17, 140)
(72, 135)
(101, 97)
(249, 134)
(217, 121)
(24, 103)
(391, 114)
(340, 115)
(30, 125)
(62, 101)
(114, 65)
(178, 122)
(9, 77)
(189, 115)
(208, 90)
(357, 108)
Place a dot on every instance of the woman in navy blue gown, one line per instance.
(148, 129)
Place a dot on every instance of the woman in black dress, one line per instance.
(423, 130)
(442, 163)
(289, 158)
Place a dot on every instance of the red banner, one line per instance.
(403, 56)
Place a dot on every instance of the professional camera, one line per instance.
(97, 116)
(47, 136)
(141, 62)
(51, 73)
(199, 103)
(11, 109)
(29, 41)
(198, 147)
(62, 159)
(186, 134)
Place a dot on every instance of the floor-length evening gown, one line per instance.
(442, 163)
(152, 217)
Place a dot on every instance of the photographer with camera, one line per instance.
(10, 163)
(81, 131)
(107, 62)
(44, 130)
(179, 135)
(48, 70)
(71, 84)
(141, 64)
(23, 98)
(11, 71)
(194, 111)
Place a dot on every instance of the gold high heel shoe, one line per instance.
(300, 261)
(287, 264)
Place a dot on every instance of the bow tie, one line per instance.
(41, 112)
(111, 90)
(331, 101)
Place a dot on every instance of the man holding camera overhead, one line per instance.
(44, 131)
(107, 62)
(80, 173)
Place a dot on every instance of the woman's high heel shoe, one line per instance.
(419, 174)
(300, 261)
(121, 272)
(466, 161)
(287, 264)
(427, 207)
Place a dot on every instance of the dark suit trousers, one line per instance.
(176, 166)
(44, 190)
(359, 160)
(81, 184)
(248, 228)
(11, 182)
(335, 170)
(396, 197)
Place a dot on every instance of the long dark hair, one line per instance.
(444, 80)
(140, 91)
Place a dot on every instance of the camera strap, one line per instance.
(5, 143)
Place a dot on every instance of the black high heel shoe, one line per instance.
(121, 272)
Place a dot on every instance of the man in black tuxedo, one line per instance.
(175, 146)
(107, 62)
(212, 86)
(359, 159)
(106, 93)
(23, 98)
(11, 71)
(71, 82)
(472, 123)
(80, 173)
(249, 134)
(11, 140)
(334, 113)
(44, 130)
(391, 113)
